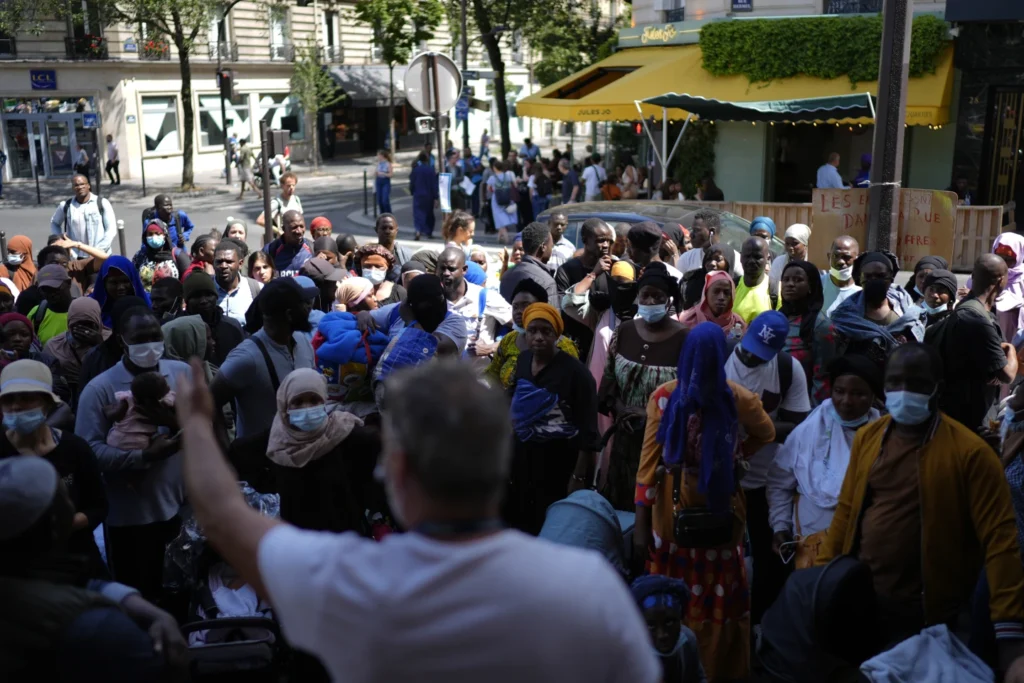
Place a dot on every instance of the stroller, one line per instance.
(585, 519)
(224, 645)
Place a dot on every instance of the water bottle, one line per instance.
(736, 332)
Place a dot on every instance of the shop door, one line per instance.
(1005, 155)
(19, 149)
(86, 137)
(58, 148)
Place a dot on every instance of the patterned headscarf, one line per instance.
(375, 250)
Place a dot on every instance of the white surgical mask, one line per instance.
(841, 274)
(15, 259)
(652, 313)
(146, 355)
(932, 310)
(850, 424)
(908, 407)
(373, 275)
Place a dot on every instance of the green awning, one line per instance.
(854, 106)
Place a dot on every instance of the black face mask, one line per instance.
(299, 320)
(875, 291)
(623, 300)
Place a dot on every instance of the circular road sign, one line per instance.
(419, 90)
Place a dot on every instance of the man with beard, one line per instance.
(754, 293)
(483, 310)
(255, 368)
(235, 292)
(593, 264)
(200, 296)
(705, 229)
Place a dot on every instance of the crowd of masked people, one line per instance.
(650, 458)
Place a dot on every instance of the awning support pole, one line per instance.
(664, 144)
(871, 105)
(654, 144)
(679, 139)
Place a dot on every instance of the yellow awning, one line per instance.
(605, 91)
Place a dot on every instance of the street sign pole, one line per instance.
(465, 66)
(887, 149)
(268, 223)
(435, 110)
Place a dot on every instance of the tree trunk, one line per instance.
(490, 41)
(315, 127)
(188, 114)
(391, 109)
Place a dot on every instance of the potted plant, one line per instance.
(154, 48)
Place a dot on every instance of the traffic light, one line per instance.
(638, 129)
(226, 84)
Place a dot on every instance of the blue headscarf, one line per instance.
(654, 590)
(763, 222)
(702, 387)
(475, 274)
(99, 292)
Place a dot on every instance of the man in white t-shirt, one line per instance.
(705, 227)
(759, 364)
(457, 599)
(484, 310)
(837, 282)
(593, 176)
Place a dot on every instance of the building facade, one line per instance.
(55, 84)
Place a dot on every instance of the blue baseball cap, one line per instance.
(309, 289)
(766, 335)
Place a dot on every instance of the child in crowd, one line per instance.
(662, 601)
(138, 414)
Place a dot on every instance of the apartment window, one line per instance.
(282, 111)
(279, 47)
(376, 54)
(211, 128)
(160, 123)
(517, 47)
(88, 22)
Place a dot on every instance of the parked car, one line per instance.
(735, 229)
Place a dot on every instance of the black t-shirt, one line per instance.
(969, 341)
(568, 275)
(76, 464)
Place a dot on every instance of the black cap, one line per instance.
(645, 235)
(320, 270)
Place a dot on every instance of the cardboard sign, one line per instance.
(927, 222)
(835, 213)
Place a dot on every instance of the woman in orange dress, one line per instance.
(693, 435)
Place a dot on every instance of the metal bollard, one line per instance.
(366, 208)
(120, 237)
(3, 246)
(39, 195)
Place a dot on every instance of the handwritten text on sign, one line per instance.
(835, 213)
(927, 222)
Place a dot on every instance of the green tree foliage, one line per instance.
(399, 26)
(825, 47)
(313, 86)
(695, 158)
(572, 38)
(181, 22)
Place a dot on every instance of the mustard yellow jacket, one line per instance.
(966, 521)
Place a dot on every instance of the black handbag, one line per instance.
(699, 527)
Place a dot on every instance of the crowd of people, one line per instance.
(649, 459)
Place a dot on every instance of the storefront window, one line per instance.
(160, 123)
(282, 111)
(211, 129)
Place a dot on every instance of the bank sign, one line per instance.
(43, 80)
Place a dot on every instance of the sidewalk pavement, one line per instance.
(340, 174)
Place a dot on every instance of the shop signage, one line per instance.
(657, 35)
(925, 224)
(91, 120)
(742, 5)
(984, 10)
(130, 118)
(131, 46)
(43, 80)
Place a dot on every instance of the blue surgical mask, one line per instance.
(936, 309)
(908, 407)
(374, 275)
(849, 424)
(652, 313)
(518, 329)
(26, 421)
(308, 419)
(155, 241)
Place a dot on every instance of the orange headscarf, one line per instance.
(25, 274)
(701, 313)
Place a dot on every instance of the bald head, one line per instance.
(294, 226)
(841, 255)
(989, 275)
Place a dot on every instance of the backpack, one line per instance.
(785, 368)
(773, 294)
(543, 185)
(502, 191)
(67, 208)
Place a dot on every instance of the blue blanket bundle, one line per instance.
(343, 342)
